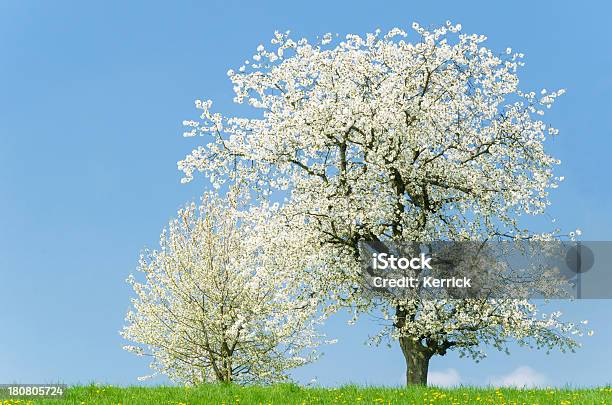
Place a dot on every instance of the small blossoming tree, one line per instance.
(218, 302)
(380, 138)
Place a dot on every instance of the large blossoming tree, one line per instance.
(218, 301)
(383, 138)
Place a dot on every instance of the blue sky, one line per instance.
(92, 99)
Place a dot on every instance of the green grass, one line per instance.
(292, 394)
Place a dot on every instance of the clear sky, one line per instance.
(92, 97)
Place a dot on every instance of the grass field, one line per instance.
(292, 394)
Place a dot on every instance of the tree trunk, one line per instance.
(417, 361)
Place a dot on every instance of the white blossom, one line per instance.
(220, 301)
(378, 139)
